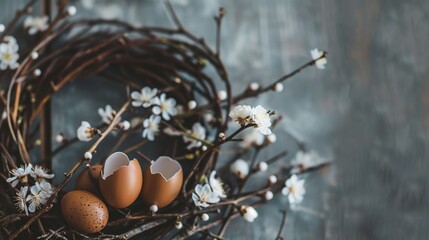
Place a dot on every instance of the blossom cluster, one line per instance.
(210, 192)
(9, 53)
(247, 115)
(31, 196)
(162, 107)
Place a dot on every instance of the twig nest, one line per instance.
(84, 211)
(162, 182)
(121, 180)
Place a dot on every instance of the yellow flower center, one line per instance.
(7, 56)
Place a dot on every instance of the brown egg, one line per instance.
(121, 180)
(162, 182)
(84, 211)
(85, 181)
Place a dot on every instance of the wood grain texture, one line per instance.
(368, 111)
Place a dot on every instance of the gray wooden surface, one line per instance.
(368, 111)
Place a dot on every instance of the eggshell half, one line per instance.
(84, 211)
(85, 182)
(162, 182)
(121, 180)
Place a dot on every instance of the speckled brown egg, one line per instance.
(121, 180)
(85, 182)
(162, 182)
(84, 211)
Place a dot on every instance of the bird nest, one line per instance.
(178, 95)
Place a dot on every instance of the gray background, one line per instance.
(368, 111)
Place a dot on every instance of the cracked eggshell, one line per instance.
(84, 181)
(121, 180)
(84, 211)
(162, 181)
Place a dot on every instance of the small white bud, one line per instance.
(126, 125)
(71, 10)
(262, 166)
(254, 86)
(177, 80)
(37, 72)
(192, 104)
(222, 95)
(221, 135)
(4, 115)
(34, 55)
(59, 138)
(204, 148)
(268, 195)
(272, 179)
(87, 165)
(240, 168)
(2, 28)
(178, 225)
(88, 155)
(272, 138)
(205, 217)
(278, 87)
(249, 213)
(154, 208)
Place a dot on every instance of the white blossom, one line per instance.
(315, 54)
(198, 132)
(151, 127)
(2, 28)
(294, 189)
(37, 198)
(39, 173)
(203, 196)
(9, 53)
(216, 184)
(252, 138)
(261, 118)
(46, 187)
(240, 168)
(107, 114)
(305, 160)
(146, 97)
(36, 24)
(85, 132)
(21, 200)
(249, 213)
(241, 114)
(167, 107)
(20, 175)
